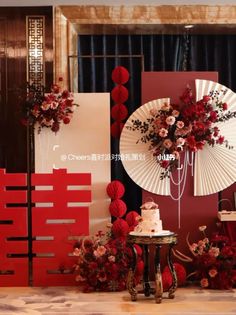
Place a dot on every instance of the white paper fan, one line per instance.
(138, 162)
(215, 167)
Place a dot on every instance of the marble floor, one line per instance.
(69, 300)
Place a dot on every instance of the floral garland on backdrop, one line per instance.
(48, 110)
(188, 126)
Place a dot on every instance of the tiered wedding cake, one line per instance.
(149, 221)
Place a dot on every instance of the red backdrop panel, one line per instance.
(56, 222)
(13, 230)
(195, 211)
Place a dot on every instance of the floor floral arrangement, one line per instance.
(214, 261)
(103, 260)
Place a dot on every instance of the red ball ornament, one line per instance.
(180, 273)
(116, 129)
(166, 280)
(140, 267)
(119, 94)
(117, 208)
(120, 75)
(119, 112)
(120, 228)
(131, 218)
(115, 189)
(138, 249)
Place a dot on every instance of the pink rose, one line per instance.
(212, 272)
(170, 120)
(180, 124)
(163, 132)
(204, 283)
(175, 113)
(100, 251)
(167, 143)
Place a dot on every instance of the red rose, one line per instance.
(66, 120)
(164, 163)
(206, 98)
(65, 94)
(224, 106)
(200, 145)
(55, 127)
(55, 88)
(191, 143)
(220, 140)
(213, 116)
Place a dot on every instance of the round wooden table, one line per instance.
(145, 241)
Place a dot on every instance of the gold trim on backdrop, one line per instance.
(35, 29)
(137, 19)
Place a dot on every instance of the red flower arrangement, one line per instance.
(186, 126)
(214, 261)
(49, 110)
(103, 264)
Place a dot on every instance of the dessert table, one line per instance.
(145, 241)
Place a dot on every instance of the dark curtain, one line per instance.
(214, 53)
(98, 55)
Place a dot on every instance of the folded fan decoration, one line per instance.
(214, 166)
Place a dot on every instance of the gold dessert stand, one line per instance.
(145, 241)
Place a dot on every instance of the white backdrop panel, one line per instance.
(83, 146)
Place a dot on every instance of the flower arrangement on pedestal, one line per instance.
(48, 110)
(190, 125)
(214, 261)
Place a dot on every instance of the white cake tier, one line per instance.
(150, 215)
(147, 226)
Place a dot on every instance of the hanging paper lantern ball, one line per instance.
(120, 228)
(180, 273)
(115, 189)
(117, 208)
(120, 75)
(131, 218)
(166, 280)
(119, 112)
(116, 129)
(119, 94)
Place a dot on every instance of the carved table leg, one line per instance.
(130, 279)
(146, 284)
(158, 278)
(173, 287)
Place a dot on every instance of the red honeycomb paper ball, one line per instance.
(120, 75)
(120, 228)
(131, 218)
(180, 273)
(115, 189)
(119, 112)
(116, 129)
(166, 280)
(117, 208)
(119, 94)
